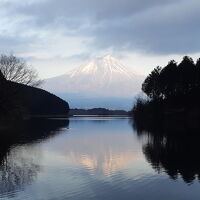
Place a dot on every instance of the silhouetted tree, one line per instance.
(198, 73)
(151, 84)
(187, 75)
(172, 88)
(17, 70)
(172, 80)
(2, 78)
(168, 79)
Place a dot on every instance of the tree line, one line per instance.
(171, 89)
(173, 80)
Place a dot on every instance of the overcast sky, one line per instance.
(57, 35)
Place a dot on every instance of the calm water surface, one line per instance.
(96, 158)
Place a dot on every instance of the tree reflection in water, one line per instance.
(172, 147)
(20, 154)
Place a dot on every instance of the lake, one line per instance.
(96, 158)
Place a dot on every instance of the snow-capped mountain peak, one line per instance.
(100, 76)
(106, 66)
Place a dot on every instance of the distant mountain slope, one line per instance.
(101, 78)
(98, 111)
(89, 102)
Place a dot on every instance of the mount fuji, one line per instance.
(101, 82)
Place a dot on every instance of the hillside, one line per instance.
(18, 100)
(40, 102)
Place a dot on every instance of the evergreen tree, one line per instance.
(151, 84)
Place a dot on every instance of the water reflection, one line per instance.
(19, 168)
(172, 148)
(20, 154)
(102, 146)
(97, 159)
(100, 156)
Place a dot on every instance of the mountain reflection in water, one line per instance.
(98, 153)
(101, 148)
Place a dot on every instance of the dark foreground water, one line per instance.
(96, 158)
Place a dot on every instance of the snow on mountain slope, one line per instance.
(105, 77)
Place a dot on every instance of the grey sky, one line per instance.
(73, 30)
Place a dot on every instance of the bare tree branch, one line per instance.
(16, 70)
